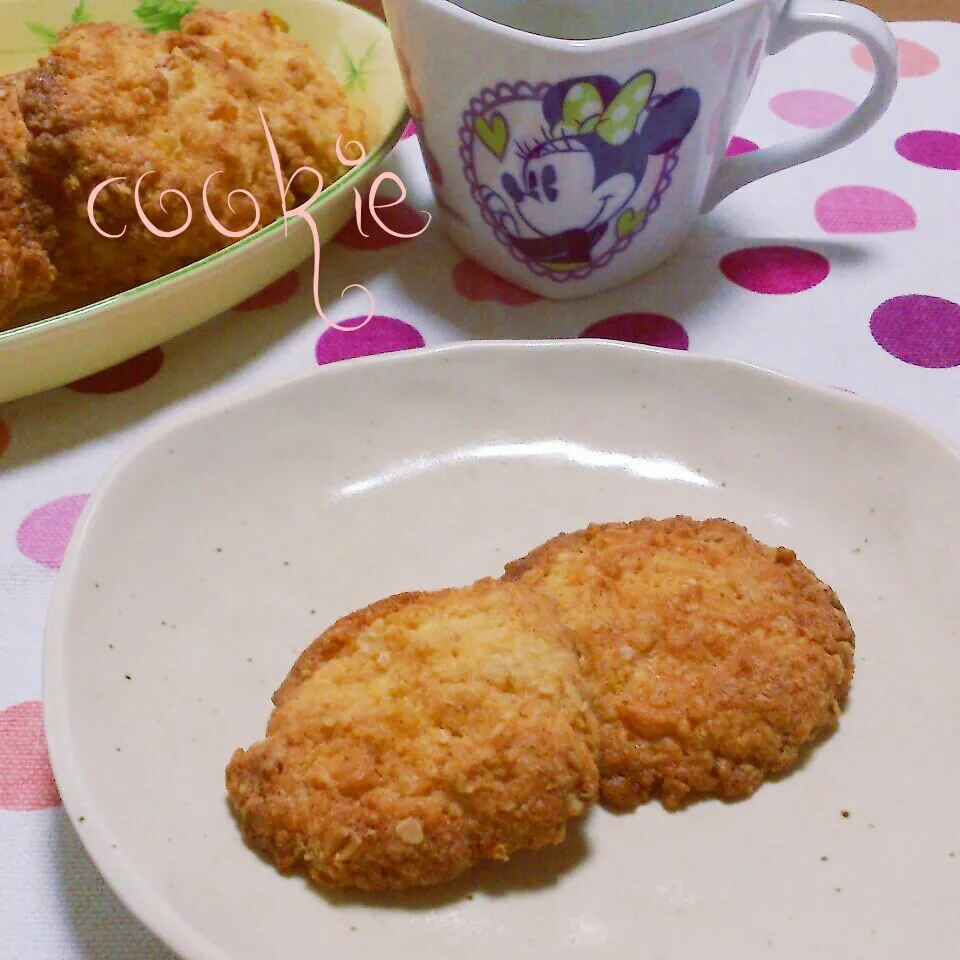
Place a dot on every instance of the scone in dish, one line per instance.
(181, 98)
(150, 114)
(26, 222)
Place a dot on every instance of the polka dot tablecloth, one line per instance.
(844, 272)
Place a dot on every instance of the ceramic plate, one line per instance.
(58, 349)
(215, 552)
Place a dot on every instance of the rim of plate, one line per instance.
(122, 874)
(235, 249)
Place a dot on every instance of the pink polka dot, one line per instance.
(26, 779)
(812, 109)
(410, 130)
(124, 376)
(920, 330)
(915, 60)
(652, 329)
(738, 145)
(775, 270)
(4, 437)
(380, 335)
(863, 210)
(670, 77)
(938, 149)
(44, 534)
(722, 52)
(280, 291)
(477, 283)
(402, 218)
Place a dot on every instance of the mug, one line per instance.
(572, 146)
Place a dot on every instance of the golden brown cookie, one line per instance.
(26, 222)
(111, 102)
(712, 660)
(418, 737)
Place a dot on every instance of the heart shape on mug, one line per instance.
(630, 222)
(494, 134)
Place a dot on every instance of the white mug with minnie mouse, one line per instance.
(572, 146)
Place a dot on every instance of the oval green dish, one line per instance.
(55, 350)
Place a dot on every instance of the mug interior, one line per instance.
(585, 19)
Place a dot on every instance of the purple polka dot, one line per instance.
(44, 534)
(410, 130)
(920, 330)
(380, 335)
(652, 329)
(738, 145)
(775, 270)
(938, 149)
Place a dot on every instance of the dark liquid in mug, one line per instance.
(586, 19)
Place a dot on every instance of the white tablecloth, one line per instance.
(843, 272)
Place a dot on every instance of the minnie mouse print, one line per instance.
(566, 174)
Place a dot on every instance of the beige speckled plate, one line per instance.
(218, 549)
(59, 349)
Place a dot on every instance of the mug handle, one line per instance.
(800, 19)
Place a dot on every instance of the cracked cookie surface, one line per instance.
(712, 661)
(419, 737)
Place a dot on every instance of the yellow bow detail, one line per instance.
(583, 110)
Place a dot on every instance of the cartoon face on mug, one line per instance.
(567, 174)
